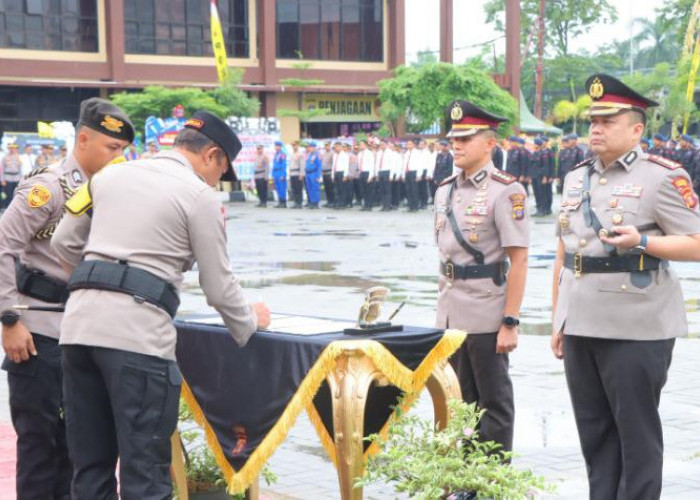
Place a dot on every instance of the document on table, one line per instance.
(291, 324)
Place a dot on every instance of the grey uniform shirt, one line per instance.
(496, 213)
(262, 167)
(632, 191)
(157, 215)
(25, 232)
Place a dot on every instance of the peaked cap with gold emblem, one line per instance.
(106, 118)
(467, 119)
(611, 96)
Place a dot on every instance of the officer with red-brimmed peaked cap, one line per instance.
(618, 305)
(482, 230)
(121, 380)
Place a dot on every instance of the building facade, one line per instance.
(54, 53)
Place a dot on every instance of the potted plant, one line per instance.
(452, 463)
(205, 481)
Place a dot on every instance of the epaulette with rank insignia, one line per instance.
(503, 177)
(664, 162)
(449, 180)
(584, 163)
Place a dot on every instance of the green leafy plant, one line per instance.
(434, 464)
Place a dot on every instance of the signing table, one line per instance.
(247, 399)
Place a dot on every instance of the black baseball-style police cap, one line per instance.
(106, 118)
(216, 129)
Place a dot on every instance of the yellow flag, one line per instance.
(45, 130)
(690, 92)
(217, 42)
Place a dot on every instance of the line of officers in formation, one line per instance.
(380, 173)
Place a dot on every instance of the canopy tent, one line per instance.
(533, 125)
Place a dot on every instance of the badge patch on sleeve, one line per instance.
(38, 196)
(518, 202)
(683, 186)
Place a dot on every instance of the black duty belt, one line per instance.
(627, 263)
(495, 271)
(37, 285)
(139, 283)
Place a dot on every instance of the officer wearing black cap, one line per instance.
(482, 230)
(688, 157)
(121, 381)
(31, 276)
(618, 305)
(570, 155)
(658, 147)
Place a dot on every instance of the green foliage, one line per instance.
(567, 111)
(656, 42)
(564, 20)
(676, 15)
(203, 473)
(224, 101)
(425, 57)
(420, 94)
(431, 464)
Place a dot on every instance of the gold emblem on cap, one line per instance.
(456, 114)
(112, 124)
(596, 90)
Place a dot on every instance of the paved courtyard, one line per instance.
(319, 262)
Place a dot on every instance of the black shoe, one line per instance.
(281, 205)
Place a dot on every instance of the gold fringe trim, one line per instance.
(395, 372)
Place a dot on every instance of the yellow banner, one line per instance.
(690, 92)
(217, 42)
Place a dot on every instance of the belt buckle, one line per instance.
(450, 271)
(578, 265)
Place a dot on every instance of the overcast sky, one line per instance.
(470, 28)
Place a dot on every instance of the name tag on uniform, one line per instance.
(476, 210)
(628, 190)
(574, 193)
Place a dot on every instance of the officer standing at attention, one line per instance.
(618, 305)
(341, 166)
(686, 155)
(296, 175)
(10, 173)
(327, 168)
(444, 163)
(481, 222)
(121, 380)
(261, 174)
(314, 173)
(31, 274)
(279, 174)
(659, 146)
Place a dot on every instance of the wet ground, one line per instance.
(319, 262)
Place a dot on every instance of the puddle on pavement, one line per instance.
(329, 280)
(305, 266)
(341, 233)
(400, 244)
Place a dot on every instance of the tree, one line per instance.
(224, 101)
(425, 57)
(564, 19)
(567, 111)
(301, 84)
(676, 15)
(660, 41)
(419, 95)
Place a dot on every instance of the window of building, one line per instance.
(181, 27)
(69, 25)
(335, 30)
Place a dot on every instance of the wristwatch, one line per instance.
(9, 318)
(511, 321)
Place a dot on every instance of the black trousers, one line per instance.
(385, 189)
(297, 190)
(357, 191)
(36, 408)
(615, 388)
(412, 190)
(367, 190)
(433, 185)
(329, 188)
(423, 190)
(340, 190)
(398, 192)
(539, 191)
(122, 405)
(261, 188)
(9, 190)
(484, 378)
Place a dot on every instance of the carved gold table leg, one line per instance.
(253, 490)
(443, 385)
(349, 384)
(177, 466)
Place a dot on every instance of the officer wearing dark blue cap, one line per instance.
(570, 155)
(121, 380)
(482, 229)
(279, 174)
(658, 147)
(618, 305)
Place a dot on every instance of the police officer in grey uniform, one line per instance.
(121, 381)
(31, 275)
(261, 174)
(618, 304)
(481, 223)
